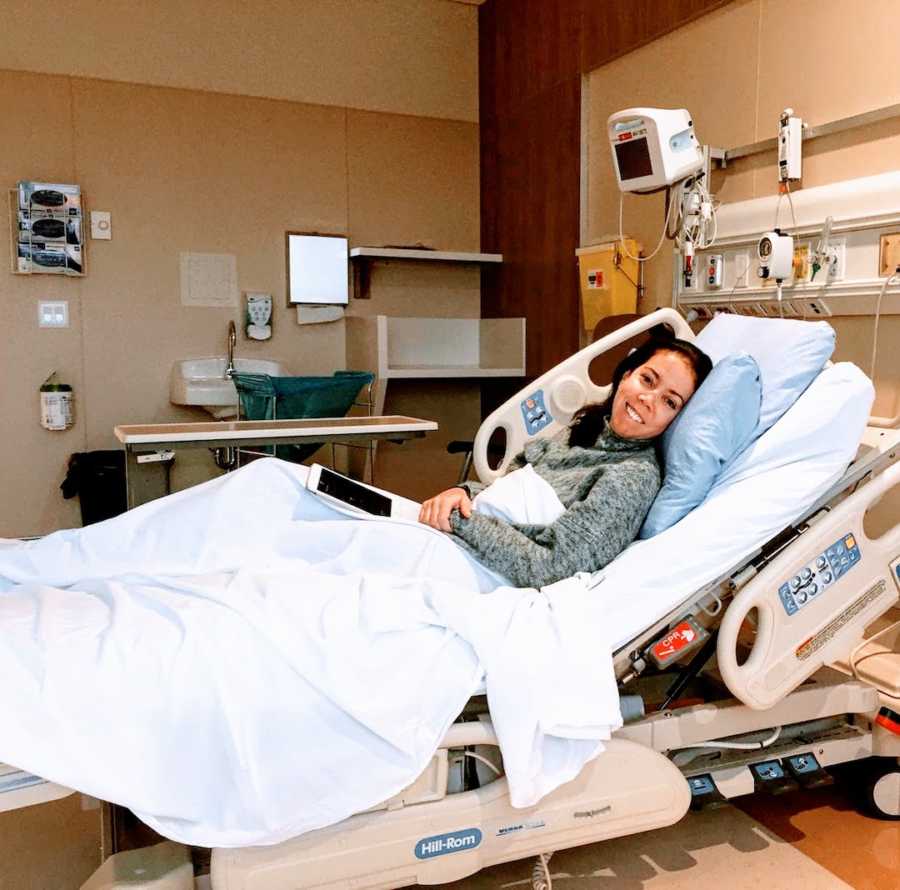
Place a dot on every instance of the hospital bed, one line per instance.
(769, 700)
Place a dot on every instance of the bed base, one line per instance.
(628, 788)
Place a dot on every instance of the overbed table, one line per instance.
(148, 445)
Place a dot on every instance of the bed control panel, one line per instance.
(535, 413)
(815, 577)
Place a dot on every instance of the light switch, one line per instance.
(101, 225)
(53, 314)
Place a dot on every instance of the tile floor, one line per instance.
(803, 840)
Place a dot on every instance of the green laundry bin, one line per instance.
(289, 398)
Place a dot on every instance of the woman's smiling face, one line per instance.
(649, 397)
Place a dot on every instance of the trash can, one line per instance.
(98, 478)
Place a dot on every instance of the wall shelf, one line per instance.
(409, 253)
(435, 348)
(362, 257)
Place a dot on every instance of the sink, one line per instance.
(201, 382)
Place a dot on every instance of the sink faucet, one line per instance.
(232, 339)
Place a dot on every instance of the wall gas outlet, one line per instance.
(837, 253)
(712, 270)
(53, 314)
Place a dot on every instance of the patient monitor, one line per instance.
(653, 147)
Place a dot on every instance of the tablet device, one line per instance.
(359, 497)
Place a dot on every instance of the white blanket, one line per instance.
(238, 663)
(520, 496)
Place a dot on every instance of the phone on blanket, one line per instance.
(359, 497)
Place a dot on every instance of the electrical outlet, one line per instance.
(837, 253)
(814, 308)
(53, 314)
(695, 285)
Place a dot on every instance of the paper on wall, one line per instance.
(209, 279)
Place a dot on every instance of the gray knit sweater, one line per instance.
(606, 489)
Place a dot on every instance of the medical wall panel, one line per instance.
(737, 100)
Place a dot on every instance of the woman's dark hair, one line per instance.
(587, 424)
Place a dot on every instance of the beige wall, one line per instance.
(416, 57)
(50, 846)
(736, 70)
(196, 171)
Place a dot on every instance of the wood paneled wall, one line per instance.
(532, 54)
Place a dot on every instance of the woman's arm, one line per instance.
(585, 538)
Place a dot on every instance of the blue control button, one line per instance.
(813, 589)
(827, 577)
(806, 574)
(804, 763)
(821, 562)
(535, 413)
(770, 769)
(701, 784)
(796, 582)
(787, 600)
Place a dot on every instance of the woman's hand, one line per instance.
(436, 511)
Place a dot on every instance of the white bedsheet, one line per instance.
(239, 664)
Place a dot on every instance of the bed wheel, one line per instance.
(883, 792)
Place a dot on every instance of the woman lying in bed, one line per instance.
(574, 502)
(589, 487)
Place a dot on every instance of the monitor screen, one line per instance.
(317, 269)
(633, 159)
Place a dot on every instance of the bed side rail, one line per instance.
(21, 789)
(814, 601)
(547, 404)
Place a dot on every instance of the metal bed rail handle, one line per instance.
(574, 372)
(789, 648)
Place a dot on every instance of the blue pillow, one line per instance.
(715, 425)
(790, 355)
